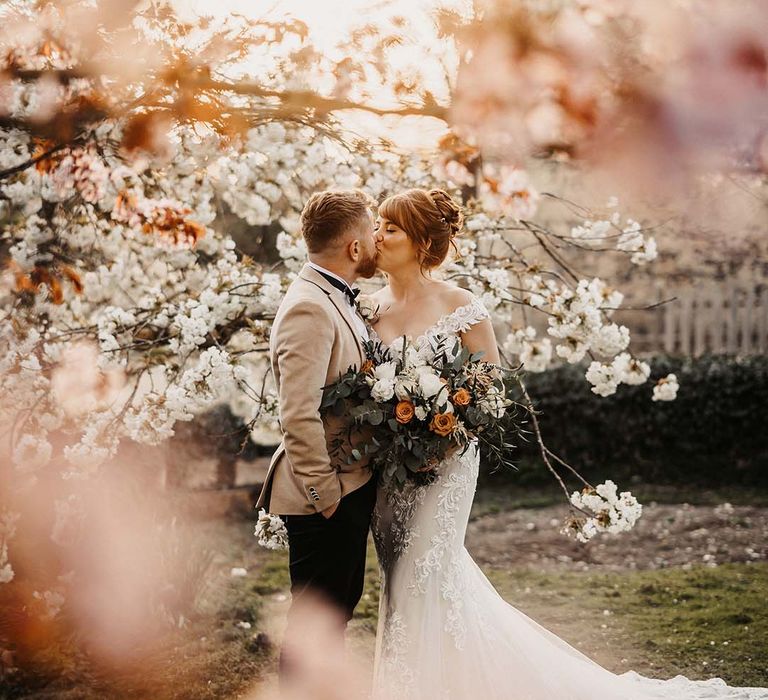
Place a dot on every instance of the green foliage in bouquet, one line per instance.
(409, 407)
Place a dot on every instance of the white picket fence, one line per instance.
(712, 318)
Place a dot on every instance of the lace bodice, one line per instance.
(460, 320)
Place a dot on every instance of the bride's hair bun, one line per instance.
(450, 211)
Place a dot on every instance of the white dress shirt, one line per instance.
(353, 315)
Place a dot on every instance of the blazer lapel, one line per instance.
(336, 297)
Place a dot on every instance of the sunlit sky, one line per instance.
(330, 22)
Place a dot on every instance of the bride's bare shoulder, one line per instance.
(452, 296)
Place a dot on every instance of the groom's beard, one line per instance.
(366, 268)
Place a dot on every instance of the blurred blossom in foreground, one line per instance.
(652, 93)
(321, 667)
(105, 561)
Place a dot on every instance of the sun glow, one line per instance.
(423, 56)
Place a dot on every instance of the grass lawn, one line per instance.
(702, 622)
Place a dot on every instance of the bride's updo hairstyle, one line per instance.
(430, 218)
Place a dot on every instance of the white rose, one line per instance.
(383, 390)
(404, 387)
(386, 370)
(429, 384)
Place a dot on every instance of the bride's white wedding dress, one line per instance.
(446, 634)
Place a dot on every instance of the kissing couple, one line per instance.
(443, 631)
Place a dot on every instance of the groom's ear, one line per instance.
(353, 249)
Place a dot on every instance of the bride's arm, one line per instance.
(481, 338)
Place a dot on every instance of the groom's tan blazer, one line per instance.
(313, 341)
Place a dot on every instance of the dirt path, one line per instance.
(665, 536)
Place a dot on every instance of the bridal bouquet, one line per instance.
(420, 403)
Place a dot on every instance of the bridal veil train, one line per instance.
(446, 634)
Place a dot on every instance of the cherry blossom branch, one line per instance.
(537, 431)
(546, 453)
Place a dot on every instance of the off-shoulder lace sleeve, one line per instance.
(463, 318)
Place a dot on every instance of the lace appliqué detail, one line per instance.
(460, 320)
(394, 655)
(404, 504)
(455, 489)
(394, 534)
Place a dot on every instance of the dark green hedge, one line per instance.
(715, 432)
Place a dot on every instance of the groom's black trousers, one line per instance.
(327, 555)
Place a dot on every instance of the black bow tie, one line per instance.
(350, 293)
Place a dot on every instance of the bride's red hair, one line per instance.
(430, 218)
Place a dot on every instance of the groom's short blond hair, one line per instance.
(328, 215)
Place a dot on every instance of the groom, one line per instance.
(326, 504)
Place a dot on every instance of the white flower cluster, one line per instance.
(419, 376)
(108, 322)
(576, 315)
(613, 512)
(666, 388)
(97, 444)
(535, 355)
(293, 250)
(271, 531)
(7, 531)
(605, 378)
(578, 318)
(212, 379)
(494, 403)
(643, 249)
(367, 307)
(593, 234)
(627, 238)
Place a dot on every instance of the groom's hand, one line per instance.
(328, 512)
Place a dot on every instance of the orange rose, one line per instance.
(404, 411)
(443, 424)
(367, 367)
(461, 397)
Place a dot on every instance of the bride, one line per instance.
(444, 632)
